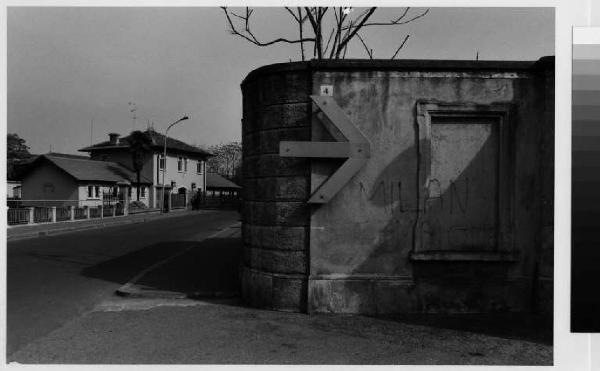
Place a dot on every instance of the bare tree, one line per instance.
(339, 29)
(226, 160)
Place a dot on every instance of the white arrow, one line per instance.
(351, 144)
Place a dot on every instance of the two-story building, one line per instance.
(185, 165)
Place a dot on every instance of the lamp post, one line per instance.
(165, 161)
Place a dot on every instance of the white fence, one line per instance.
(19, 211)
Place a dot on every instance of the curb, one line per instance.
(132, 290)
(113, 223)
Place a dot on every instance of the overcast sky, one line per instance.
(68, 67)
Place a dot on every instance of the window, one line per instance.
(185, 161)
(129, 192)
(161, 162)
(199, 167)
(179, 164)
(93, 191)
(142, 191)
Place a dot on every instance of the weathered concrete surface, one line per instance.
(463, 190)
(369, 228)
(159, 332)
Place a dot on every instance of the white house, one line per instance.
(13, 189)
(69, 180)
(185, 164)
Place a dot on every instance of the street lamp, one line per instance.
(165, 161)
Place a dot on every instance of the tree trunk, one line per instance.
(138, 185)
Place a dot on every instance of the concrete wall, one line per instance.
(370, 249)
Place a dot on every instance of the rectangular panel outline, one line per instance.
(502, 112)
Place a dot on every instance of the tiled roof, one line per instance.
(84, 169)
(158, 141)
(214, 180)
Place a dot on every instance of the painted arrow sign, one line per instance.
(351, 144)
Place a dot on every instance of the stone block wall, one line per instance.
(275, 214)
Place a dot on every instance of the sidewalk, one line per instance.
(45, 229)
(156, 321)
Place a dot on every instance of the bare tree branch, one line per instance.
(301, 26)
(250, 36)
(338, 31)
(358, 27)
(292, 13)
(369, 51)
(400, 47)
(328, 41)
(341, 33)
(313, 23)
(397, 22)
(402, 15)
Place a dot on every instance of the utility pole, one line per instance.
(165, 161)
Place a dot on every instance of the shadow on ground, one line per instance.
(209, 270)
(206, 268)
(518, 326)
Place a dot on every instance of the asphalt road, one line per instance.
(53, 280)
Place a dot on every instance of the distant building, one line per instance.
(217, 185)
(15, 168)
(13, 189)
(63, 180)
(186, 164)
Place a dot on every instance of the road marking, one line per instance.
(133, 304)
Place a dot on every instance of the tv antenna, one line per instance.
(132, 109)
(92, 128)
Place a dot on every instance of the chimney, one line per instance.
(114, 138)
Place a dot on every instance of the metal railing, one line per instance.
(63, 213)
(18, 216)
(178, 200)
(95, 212)
(80, 213)
(49, 211)
(42, 215)
(107, 211)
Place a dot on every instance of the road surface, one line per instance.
(53, 280)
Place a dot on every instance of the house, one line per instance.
(15, 167)
(217, 185)
(185, 165)
(63, 180)
(13, 189)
